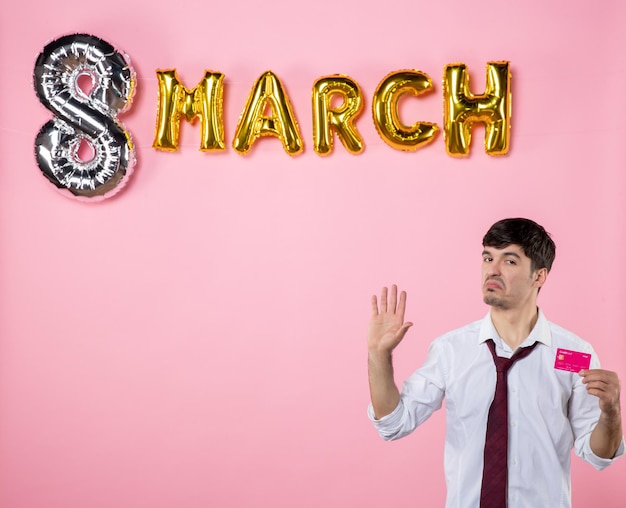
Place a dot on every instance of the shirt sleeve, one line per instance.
(421, 395)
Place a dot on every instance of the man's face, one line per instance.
(507, 278)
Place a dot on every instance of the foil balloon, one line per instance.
(340, 117)
(268, 112)
(462, 109)
(205, 102)
(386, 113)
(84, 115)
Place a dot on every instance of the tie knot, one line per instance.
(504, 364)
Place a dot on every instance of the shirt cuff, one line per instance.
(599, 462)
(392, 418)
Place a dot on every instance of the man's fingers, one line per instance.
(393, 299)
(402, 304)
(383, 300)
(604, 384)
(600, 376)
(374, 306)
(390, 302)
(405, 328)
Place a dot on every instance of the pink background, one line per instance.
(199, 339)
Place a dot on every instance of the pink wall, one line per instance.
(198, 339)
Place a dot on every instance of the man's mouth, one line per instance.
(492, 284)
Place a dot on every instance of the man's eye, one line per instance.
(487, 260)
(511, 261)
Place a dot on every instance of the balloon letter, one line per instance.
(85, 115)
(462, 109)
(340, 118)
(205, 101)
(268, 94)
(386, 116)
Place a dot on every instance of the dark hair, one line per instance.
(530, 236)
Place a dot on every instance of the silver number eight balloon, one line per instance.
(84, 116)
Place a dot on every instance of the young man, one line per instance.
(547, 411)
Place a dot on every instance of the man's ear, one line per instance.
(540, 277)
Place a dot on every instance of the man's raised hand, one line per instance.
(387, 327)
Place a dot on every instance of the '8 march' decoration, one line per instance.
(86, 83)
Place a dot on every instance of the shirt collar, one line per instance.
(539, 333)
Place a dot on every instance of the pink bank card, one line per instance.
(572, 361)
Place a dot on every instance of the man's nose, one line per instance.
(493, 268)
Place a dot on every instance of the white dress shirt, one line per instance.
(550, 412)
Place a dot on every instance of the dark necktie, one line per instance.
(493, 491)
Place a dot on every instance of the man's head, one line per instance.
(517, 255)
(530, 236)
